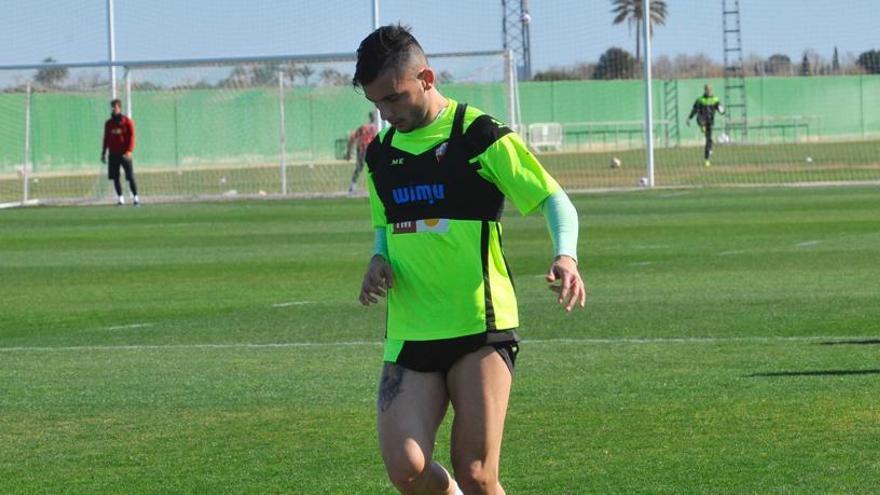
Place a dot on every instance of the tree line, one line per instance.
(618, 63)
(614, 63)
(240, 76)
(266, 74)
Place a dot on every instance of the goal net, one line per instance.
(801, 105)
(802, 97)
(274, 126)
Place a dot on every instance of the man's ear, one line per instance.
(428, 78)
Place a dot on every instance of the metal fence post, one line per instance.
(282, 141)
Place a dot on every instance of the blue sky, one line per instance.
(563, 31)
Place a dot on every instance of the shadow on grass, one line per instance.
(851, 342)
(816, 373)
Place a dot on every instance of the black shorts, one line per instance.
(114, 162)
(440, 355)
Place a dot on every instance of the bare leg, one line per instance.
(410, 408)
(479, 387)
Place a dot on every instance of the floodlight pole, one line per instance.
(128, 110)
(378, 116)
(111, 48)
(649, 100)
(375, 14)
(512, 91)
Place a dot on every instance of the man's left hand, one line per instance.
(571, 289)
(127, 155)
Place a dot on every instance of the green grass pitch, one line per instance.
(731, 345)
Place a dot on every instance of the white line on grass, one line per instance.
(291, 303)
(133, 325)
(641, 263)
(808, 244)
(697, 340)
(730, 253)
(147, 347)
(366, 343)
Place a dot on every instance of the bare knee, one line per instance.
(475, 477)
(409, 471)
(404, 474)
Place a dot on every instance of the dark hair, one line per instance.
(115, 102)
(391, 46)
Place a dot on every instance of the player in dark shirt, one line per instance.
(704, 109)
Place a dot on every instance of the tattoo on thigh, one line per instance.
(389, 385)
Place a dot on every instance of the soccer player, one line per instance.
(438, 178)
(360, 139)
(704, 109)
(119, 141)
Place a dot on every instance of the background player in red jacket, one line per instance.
(119, 141)
(360, 139)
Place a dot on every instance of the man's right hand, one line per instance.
(103, 158)
(378, 279)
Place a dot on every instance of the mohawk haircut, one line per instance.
(391, 46)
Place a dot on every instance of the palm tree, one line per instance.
(631, 12)
(305, 72)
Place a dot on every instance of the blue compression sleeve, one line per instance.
(562, 221)
(380, 242)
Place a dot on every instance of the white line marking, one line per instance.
(148, 347)
(730, 253)
(808, 244)
(133, 325)
(357, 343)
(695, 340)
(292, 303)
(641, 263)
